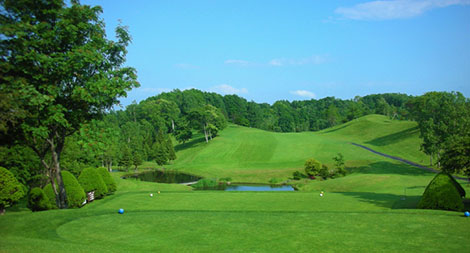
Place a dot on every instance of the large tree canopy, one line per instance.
(56, 59)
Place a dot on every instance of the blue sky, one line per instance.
(295, 50)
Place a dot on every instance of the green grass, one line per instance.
(207, 221)
(371, 209)
(394, 137)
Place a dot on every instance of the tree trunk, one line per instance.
(173, 125)
(56, 150)
(205, 134)
(430, 160)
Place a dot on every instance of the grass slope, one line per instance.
(253, 155)
(394, 137)
(180, 220)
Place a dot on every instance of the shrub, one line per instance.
(458, 187)
(50, 195)
(275, 180)
(441, 194)
(205, 183)
(108, 179)
(10, 189)
(324, 172)
(75, 193)
(297, 175)
(37, 200)
(91, 180)
(312, 167)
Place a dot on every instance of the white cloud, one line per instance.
(316, 59)
(227, 89)
(238, 62)
(303, 93)
(394, 9)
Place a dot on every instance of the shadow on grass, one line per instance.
(336, 129)
(391, 168)
(189, 144)
(393, 138)
(386, 200)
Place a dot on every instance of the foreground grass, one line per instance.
(207, 221)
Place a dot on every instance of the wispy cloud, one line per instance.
(227, 89)
(238, 62)
(303, 93)
(316, 59)
(394, 9)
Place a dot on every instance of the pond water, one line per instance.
(163, 177)
(171, 176)
(259, 188)
(249, 187)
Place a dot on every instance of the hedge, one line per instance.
(38, 200)
(91, 180)
(75, 193)
(108, 179)
(10, 189)
(442, 194)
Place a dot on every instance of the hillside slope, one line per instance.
(393, 137)
(253, 155)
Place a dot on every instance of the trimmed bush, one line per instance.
(312, 167)
(458, 187)
(50, 195)
(37, 200)
(75, 193)
(441, 194)
(91, 180)
(107, 178)
(10, 189)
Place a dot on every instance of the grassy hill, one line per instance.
(393, 137)
(253, 155)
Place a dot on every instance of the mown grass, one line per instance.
(253, 155)
(371, 209)
(208, 221)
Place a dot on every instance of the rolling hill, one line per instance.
(253, 155)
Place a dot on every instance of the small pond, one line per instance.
(249, 187)
(259, 188)
(163, 177)
(171, 176)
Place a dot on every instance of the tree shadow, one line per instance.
(190, 144)
(390, 168)
(336, 129)
(387, 200)
(393, 138)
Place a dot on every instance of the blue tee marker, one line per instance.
(121, 211)
(467, 214)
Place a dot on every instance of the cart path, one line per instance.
(403, 160)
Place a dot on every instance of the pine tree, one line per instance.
(171, 149)
(126, 159)
(160, 153)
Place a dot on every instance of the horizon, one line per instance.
(266, 52)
